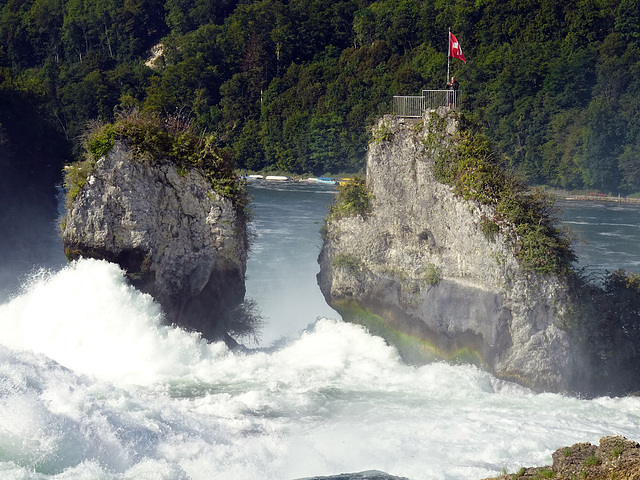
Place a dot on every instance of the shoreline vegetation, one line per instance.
(555, 194)
(595, 198)
(582, 196)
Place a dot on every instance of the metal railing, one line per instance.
(440, 98)
(414, 106)
(408, 106)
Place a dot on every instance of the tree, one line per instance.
(628, 21)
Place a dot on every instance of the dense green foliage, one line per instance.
(353, 198)
(293, 84)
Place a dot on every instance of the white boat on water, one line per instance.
(279, 178)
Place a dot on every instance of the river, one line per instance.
(93, 386)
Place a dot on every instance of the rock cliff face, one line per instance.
(420, 271)
(176, 238)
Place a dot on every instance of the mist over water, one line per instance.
(94, 386)
(283, 262)
(29, 228)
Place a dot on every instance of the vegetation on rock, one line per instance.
(615, 458)
(353, 198)
(153, 138)
(432, 274)
(75, 177)
(525, 216)
(351, 264)
(245, 321)
(604, 315)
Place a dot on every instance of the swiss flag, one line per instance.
(455, 50)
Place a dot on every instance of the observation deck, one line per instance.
(414, 106)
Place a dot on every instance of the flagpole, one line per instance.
(448, 53)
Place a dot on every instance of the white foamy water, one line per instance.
(93, 386)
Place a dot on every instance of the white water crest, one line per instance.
(94, 386)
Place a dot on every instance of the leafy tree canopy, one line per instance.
(294, 84)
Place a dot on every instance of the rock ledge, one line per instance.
(615, 458)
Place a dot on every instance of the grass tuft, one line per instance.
(353, 198)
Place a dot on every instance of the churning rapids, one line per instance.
(93, 386)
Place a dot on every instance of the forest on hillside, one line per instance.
(294, 85)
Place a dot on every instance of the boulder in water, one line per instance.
(368, 475)
(176, 237)
(472, 271)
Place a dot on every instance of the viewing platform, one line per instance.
(414, 106)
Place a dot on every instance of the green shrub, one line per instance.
(520, 472)
(617, 451)
(100, 145)
(351, 263)
(544, 473)
(489, 228)
(353, 198)
(244, 321)
(592, 461)
(437, 123)
(75, 177)
(382, 133)
(444, 168)
(432, 274)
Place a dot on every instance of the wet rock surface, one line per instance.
(368, 475)
(176, 238)
(421, 271)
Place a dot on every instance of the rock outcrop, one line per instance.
(176, 238)
(421, 270)
(615, 458)
(368, 475)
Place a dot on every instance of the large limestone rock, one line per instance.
(420, 271)
(177, 239)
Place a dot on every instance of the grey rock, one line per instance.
(368, 475)
(176, 238)
(484, 308)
